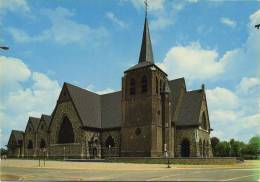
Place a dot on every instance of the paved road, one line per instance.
(176, 173)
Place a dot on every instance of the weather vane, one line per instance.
(146, 6)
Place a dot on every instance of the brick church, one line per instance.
(150, 117)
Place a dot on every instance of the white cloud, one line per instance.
(222, 98)
(152, 5)
(167, 17)
(13, 5)
(19, 35)
(229, 116)
(192, 62)
(161, 23)
(111, 16)
(255, 18)
(12, 70)
(63, 30)
(19, 101)
(105, 91)
(92, 88)
(163, 12)
(234, 113)
(228, 22)
(248, 84)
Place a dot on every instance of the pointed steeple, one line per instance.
(146, 53)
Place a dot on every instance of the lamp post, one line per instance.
(109, 151)
(64, 153)
(167, 156)
(4, 48)
(44, 153)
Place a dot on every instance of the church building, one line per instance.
(150, 117)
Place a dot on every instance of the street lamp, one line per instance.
(166, 155)
(4, 47)
(257, 26)
(64, 148)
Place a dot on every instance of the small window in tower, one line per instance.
(132, 86)
(138, 131)
(144, 84)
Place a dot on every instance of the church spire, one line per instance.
(146, 53)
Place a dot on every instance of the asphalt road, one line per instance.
(176, 173)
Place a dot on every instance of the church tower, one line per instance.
(146, 116)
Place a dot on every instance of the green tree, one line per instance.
(254, 146)
(223, 149)
(236, 148)
(3, 151)
(214, 141)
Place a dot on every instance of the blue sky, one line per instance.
(90, 44)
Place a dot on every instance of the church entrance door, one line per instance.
(185, 148)
(93, 152)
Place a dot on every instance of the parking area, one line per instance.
(60, 170)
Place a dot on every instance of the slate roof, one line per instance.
(146, 52)
(140, 65)
(18, 135)
(190, 108)
(34, 122)
(46, 119)
(176, 86)
(104, 111)
(111, 110)
(97, 111)
(87, 104)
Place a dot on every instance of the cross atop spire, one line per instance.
(146, 6)
(146, 53)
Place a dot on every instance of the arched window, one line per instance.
(204, 121)
(30, 144)
(110, 142)
(144, 84)
(132, 86)
(42, 144)
(66, 134)
(185, 148)
(157, 85)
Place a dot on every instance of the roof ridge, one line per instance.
(111, 93)
(32, 117)
(18, 131)
(182, 78)
(197, 90)
(82, 89)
